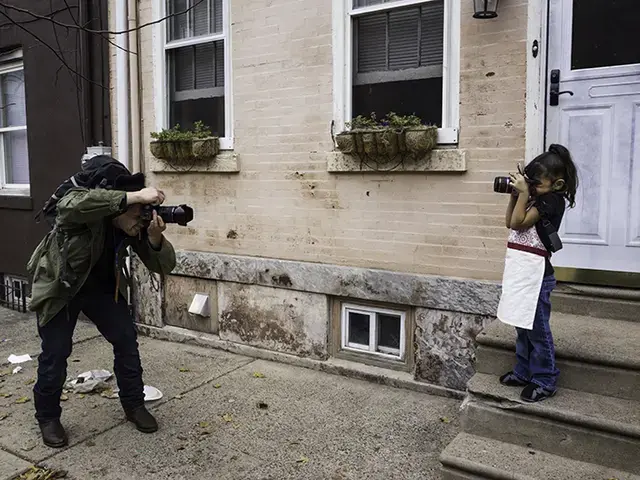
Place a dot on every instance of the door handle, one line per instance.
(554, 88)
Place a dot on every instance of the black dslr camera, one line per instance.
(181, 214)
(504, 185)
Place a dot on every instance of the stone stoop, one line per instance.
(589, 430)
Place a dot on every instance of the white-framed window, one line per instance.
(373, 330)
(399, 56)
(14, 153)
(196, 68)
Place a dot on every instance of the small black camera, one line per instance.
(181, 214)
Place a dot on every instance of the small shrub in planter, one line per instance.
(394, 135)
(179, 146)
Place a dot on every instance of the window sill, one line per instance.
(438, 160)
(225, 162)
(16, 199)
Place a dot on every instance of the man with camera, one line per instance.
(80, 267)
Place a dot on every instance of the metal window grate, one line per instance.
(13, 295)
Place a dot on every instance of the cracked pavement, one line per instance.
(222, 416)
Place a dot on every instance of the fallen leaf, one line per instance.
(3, 416)
(258, 375)
(81, 395)
(262, 405)
(227, 417)
(184, 370)
(5, 395)
(445, 419)
(4, 373)
(217, 385)
(22, 400)
(64, 398)
(30, 381)
(203, 424)
(302, 461)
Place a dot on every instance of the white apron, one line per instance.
(522, 279)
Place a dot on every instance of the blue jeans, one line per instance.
(115, 323)
(535, 352)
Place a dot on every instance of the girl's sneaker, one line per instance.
(510, 380)
(534, 393)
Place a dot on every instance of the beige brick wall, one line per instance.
(284, 204)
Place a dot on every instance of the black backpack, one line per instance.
(101, 171)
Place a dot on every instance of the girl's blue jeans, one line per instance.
(535, 352)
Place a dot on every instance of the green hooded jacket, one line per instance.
(80, 230)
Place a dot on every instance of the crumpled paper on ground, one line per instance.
(91, 381)
(19, 358)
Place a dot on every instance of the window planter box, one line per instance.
(387, 142)
(186, 151)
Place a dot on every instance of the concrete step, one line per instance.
(595, 355)
(577, 425)
(469, 457)
(601, 302)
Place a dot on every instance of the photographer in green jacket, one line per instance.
(79, 267)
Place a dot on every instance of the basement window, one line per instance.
(375, 331)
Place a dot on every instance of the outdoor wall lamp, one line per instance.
(485, 8)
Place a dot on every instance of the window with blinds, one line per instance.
(14, 154)
(397, 60)
(196, 70)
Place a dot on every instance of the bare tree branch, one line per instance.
(53, 50)
(98, 32)
(26, 22)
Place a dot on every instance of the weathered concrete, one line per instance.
(334, 366)
(179, 293)
(19, 334)
(444, 293)
(147, 294)
(274, 318)
(438, 160)
(470, 457)
(88, 416)
(290, 424)
(596, 355)
(10, 465)
(446, 347)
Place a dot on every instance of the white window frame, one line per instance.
(14, 63)
(161, 72)
(370, 349)
(343, 15)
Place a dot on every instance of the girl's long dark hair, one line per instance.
(555, 164)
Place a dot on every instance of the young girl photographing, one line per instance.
(534, 215)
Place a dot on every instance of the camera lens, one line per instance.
(502, 185)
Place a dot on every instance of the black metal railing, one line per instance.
(14, 296)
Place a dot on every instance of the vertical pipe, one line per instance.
(134, 72)
(122, 83)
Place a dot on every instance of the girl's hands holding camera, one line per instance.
(519, 183)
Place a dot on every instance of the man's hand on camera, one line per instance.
(155, 229)
(146, 196)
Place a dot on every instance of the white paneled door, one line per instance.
(593, 108)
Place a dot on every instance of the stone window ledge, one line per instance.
(439, 160)
(225, 162)
(16, 199)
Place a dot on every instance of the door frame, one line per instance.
(535, 133)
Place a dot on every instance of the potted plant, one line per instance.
(393, 135)
(175, 145)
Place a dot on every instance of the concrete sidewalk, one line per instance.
(223, 416)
